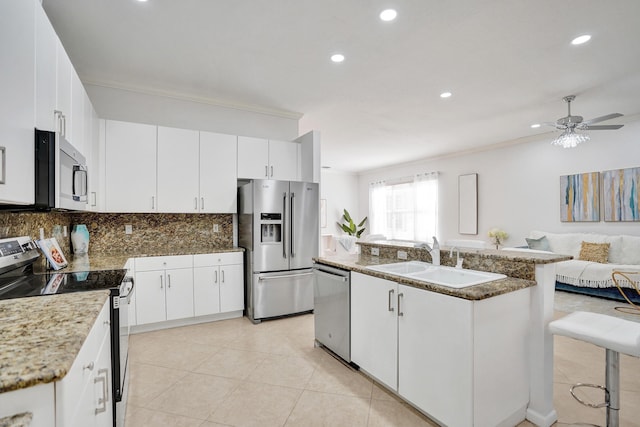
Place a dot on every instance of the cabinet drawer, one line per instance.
(222, 258)
(163, 262)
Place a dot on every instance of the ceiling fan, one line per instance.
(570, 124)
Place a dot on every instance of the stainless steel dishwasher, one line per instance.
(332, 309)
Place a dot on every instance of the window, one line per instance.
(405, 209)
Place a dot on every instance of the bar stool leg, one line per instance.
(612, 380)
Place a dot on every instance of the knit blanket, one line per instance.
(595, 275)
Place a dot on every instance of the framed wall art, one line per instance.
(620, 194)
(579, 197)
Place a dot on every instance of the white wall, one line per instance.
(519, 185)
(340, 190)
(131, 106)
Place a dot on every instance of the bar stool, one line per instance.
(616, 336)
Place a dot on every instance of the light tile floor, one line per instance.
(234, 373)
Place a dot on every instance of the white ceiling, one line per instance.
(507, 62)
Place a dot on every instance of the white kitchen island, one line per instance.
(477, 356)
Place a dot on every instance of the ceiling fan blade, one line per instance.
(603, 127)
(603, 118)
(555, 125)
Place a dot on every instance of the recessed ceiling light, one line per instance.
(388, 14)
(142, 1)
(337, 57)
(581, 39)
(445, 95)
(535, 125)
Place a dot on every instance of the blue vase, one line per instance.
(80, 239)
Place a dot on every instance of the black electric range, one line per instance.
(28, 284)
(17, 279)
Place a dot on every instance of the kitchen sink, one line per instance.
(437, 274)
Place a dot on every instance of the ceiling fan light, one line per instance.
(570, 139)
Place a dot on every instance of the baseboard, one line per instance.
(542, 420)
(149, 327)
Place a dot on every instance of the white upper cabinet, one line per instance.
(78, 116)
(17, 32)
(130, 175)
(218, 173)
(64, 71)
(283, 160)
(178, 177)
(253, 158)
(46, 45)
(267, 159)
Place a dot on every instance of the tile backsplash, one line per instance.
(107, 231)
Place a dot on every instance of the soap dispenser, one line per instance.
(435, 252)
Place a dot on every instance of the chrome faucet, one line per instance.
(434, 251)
(458, 259)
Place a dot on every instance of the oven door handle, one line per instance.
(128, 279)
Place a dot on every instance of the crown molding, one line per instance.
(181, 96)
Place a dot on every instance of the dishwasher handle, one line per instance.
(331, 275)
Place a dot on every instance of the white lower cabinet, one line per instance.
(164, 288)
(462, 362)
(84, 396)
(187, 286)
(373, 303)
(218, 283)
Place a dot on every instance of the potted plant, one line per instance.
(350, 227)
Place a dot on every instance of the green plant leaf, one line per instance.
(347, 217)
(360, 232)
(362, 222)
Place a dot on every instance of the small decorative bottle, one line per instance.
(80, 239)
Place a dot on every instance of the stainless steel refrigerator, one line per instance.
(278, 227)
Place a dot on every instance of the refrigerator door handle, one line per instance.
(284, 225)
(291, 238)
(261, 278)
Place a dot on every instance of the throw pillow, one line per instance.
(541, 244)
(596, 252)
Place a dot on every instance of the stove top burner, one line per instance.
(59, 283)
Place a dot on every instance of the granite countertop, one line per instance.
(40, 337)
(502, 254)
(114, 261)
(359, 263)
(18, 420)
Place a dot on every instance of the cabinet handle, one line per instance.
(391, 291)
(58, 115)
(202, 203)
(216, 279)
(222, 276)
(161, 281)
(400, 313)
(105, 390)
(195, 201)
(168, 280)
(271, 171)
(153, 202)
(266, 171)
(94, 198)
(88, 366)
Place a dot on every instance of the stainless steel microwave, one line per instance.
(61, 173)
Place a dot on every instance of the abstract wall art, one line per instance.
(579, 197)
(620, 194)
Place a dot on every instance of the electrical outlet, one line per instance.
(402, 255)
(216, 228)
(375, 251)
(128, 229)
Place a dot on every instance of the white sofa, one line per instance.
(624, 255)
